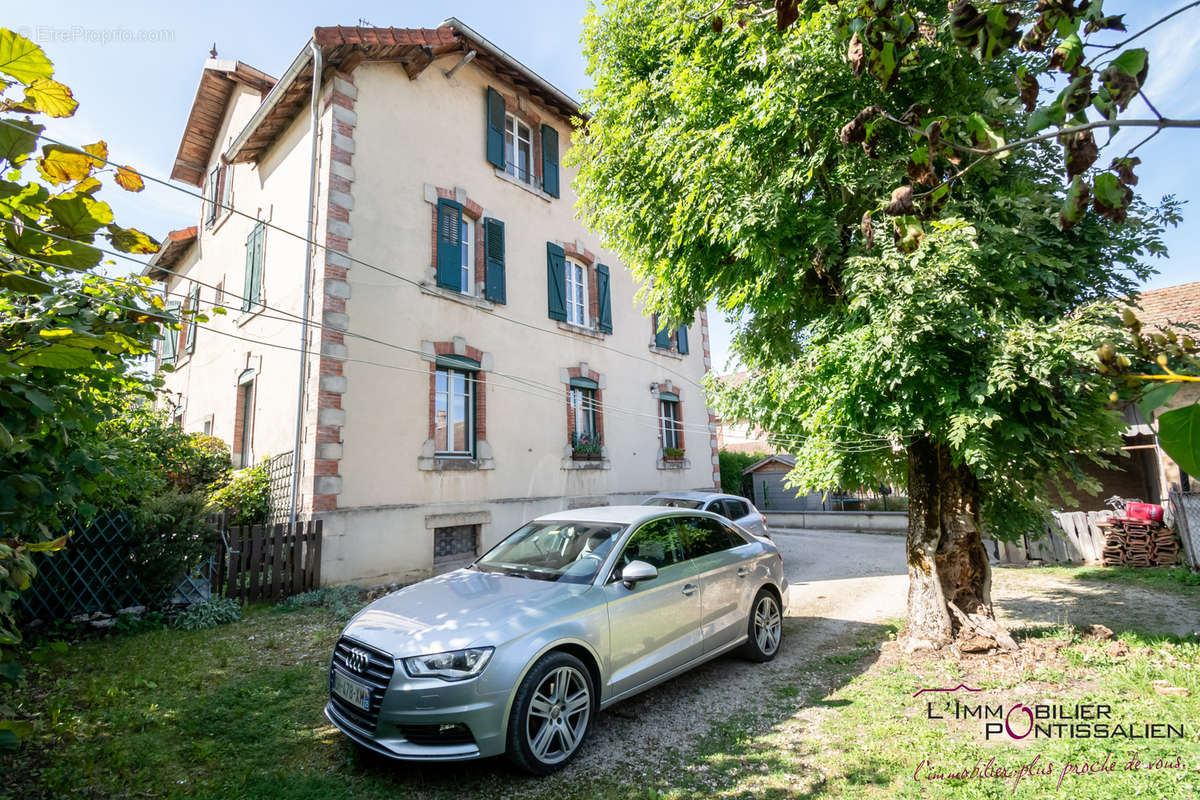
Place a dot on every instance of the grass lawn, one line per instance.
(235, 712)
(1177, 579)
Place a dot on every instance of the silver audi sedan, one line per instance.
(569, 614)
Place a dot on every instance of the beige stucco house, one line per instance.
(475, 358)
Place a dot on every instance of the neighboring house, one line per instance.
(504, 335)
(1144, 471)
(739, 436)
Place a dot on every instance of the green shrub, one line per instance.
(209, 614)
(732, 464)
(169, 537)
(246, 494)
(342, 602)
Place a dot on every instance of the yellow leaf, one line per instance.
(44, 547)
(129, 180)
(51, 98)
(99, 150)
(62, 164)
(22, 59)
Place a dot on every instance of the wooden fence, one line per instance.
(268, 562)
(1073, 539)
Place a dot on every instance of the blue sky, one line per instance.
(134, 68)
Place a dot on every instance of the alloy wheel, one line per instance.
(558, 715)
(768, 624)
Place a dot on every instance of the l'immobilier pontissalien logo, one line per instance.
(1046, 720)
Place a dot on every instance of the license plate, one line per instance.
(352, 692)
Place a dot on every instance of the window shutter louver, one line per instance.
(682, 340)
(495, 128)
(493, 234)
(604, 294)
(449, 244)
(194, 307)
(550, 160)
(170, 345)
(556, 282)
(662, 338)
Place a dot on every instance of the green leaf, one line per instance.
(1131, 62)
(131, 240)
(22, 59)
(18, 139)
(58, 357)
(6, 438)
(1156, 397)
(1046, 116)
(79, 215)
(1179, 437)
(1108, 189)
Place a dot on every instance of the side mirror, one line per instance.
(636, 572)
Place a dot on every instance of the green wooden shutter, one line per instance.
(550, 160)
(662, 338)
(681, 339)
(604, 293)
(259, 262)
(248, 293)
(493, 235)
(194, 306)
(170, 345)
(556, 281)
(495, 128)
(449, 244)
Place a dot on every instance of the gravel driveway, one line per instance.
(843, 585)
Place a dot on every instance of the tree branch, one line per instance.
(1145, 30)
(983, 155)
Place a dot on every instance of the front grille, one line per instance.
(377, 675)
(437, 734)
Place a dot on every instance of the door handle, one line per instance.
(689, 589)
(743, 572)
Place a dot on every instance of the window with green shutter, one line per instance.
(193, 305)
(252, 293)
(662, 336)
(170, 344)
(604, 296)
(449, 245)
(550, 160)
(496, 113)
(493, 234)
(681, 340)
(556, 282)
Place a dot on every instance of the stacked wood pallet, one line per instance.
(1138, 543)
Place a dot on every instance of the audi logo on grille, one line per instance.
(358, 660)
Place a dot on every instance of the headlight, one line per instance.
(456, 665)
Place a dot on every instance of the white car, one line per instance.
(731, 507)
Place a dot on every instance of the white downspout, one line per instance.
(318, 68)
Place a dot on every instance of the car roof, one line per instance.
(692, 495)
(616, 515)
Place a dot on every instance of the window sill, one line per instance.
(215, 225)
(674, 463)
(665, 351)
(572, 464)
(246, 316)
(581, 330)
(504, 176)
(452, 464)
(458, 297)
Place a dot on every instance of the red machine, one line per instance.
(1146, 511)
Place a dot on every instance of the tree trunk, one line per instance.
(949, 577)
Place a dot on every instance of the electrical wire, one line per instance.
(295, 318)
(344, 254)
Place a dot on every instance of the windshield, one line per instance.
(571, 552)
(673, 502)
